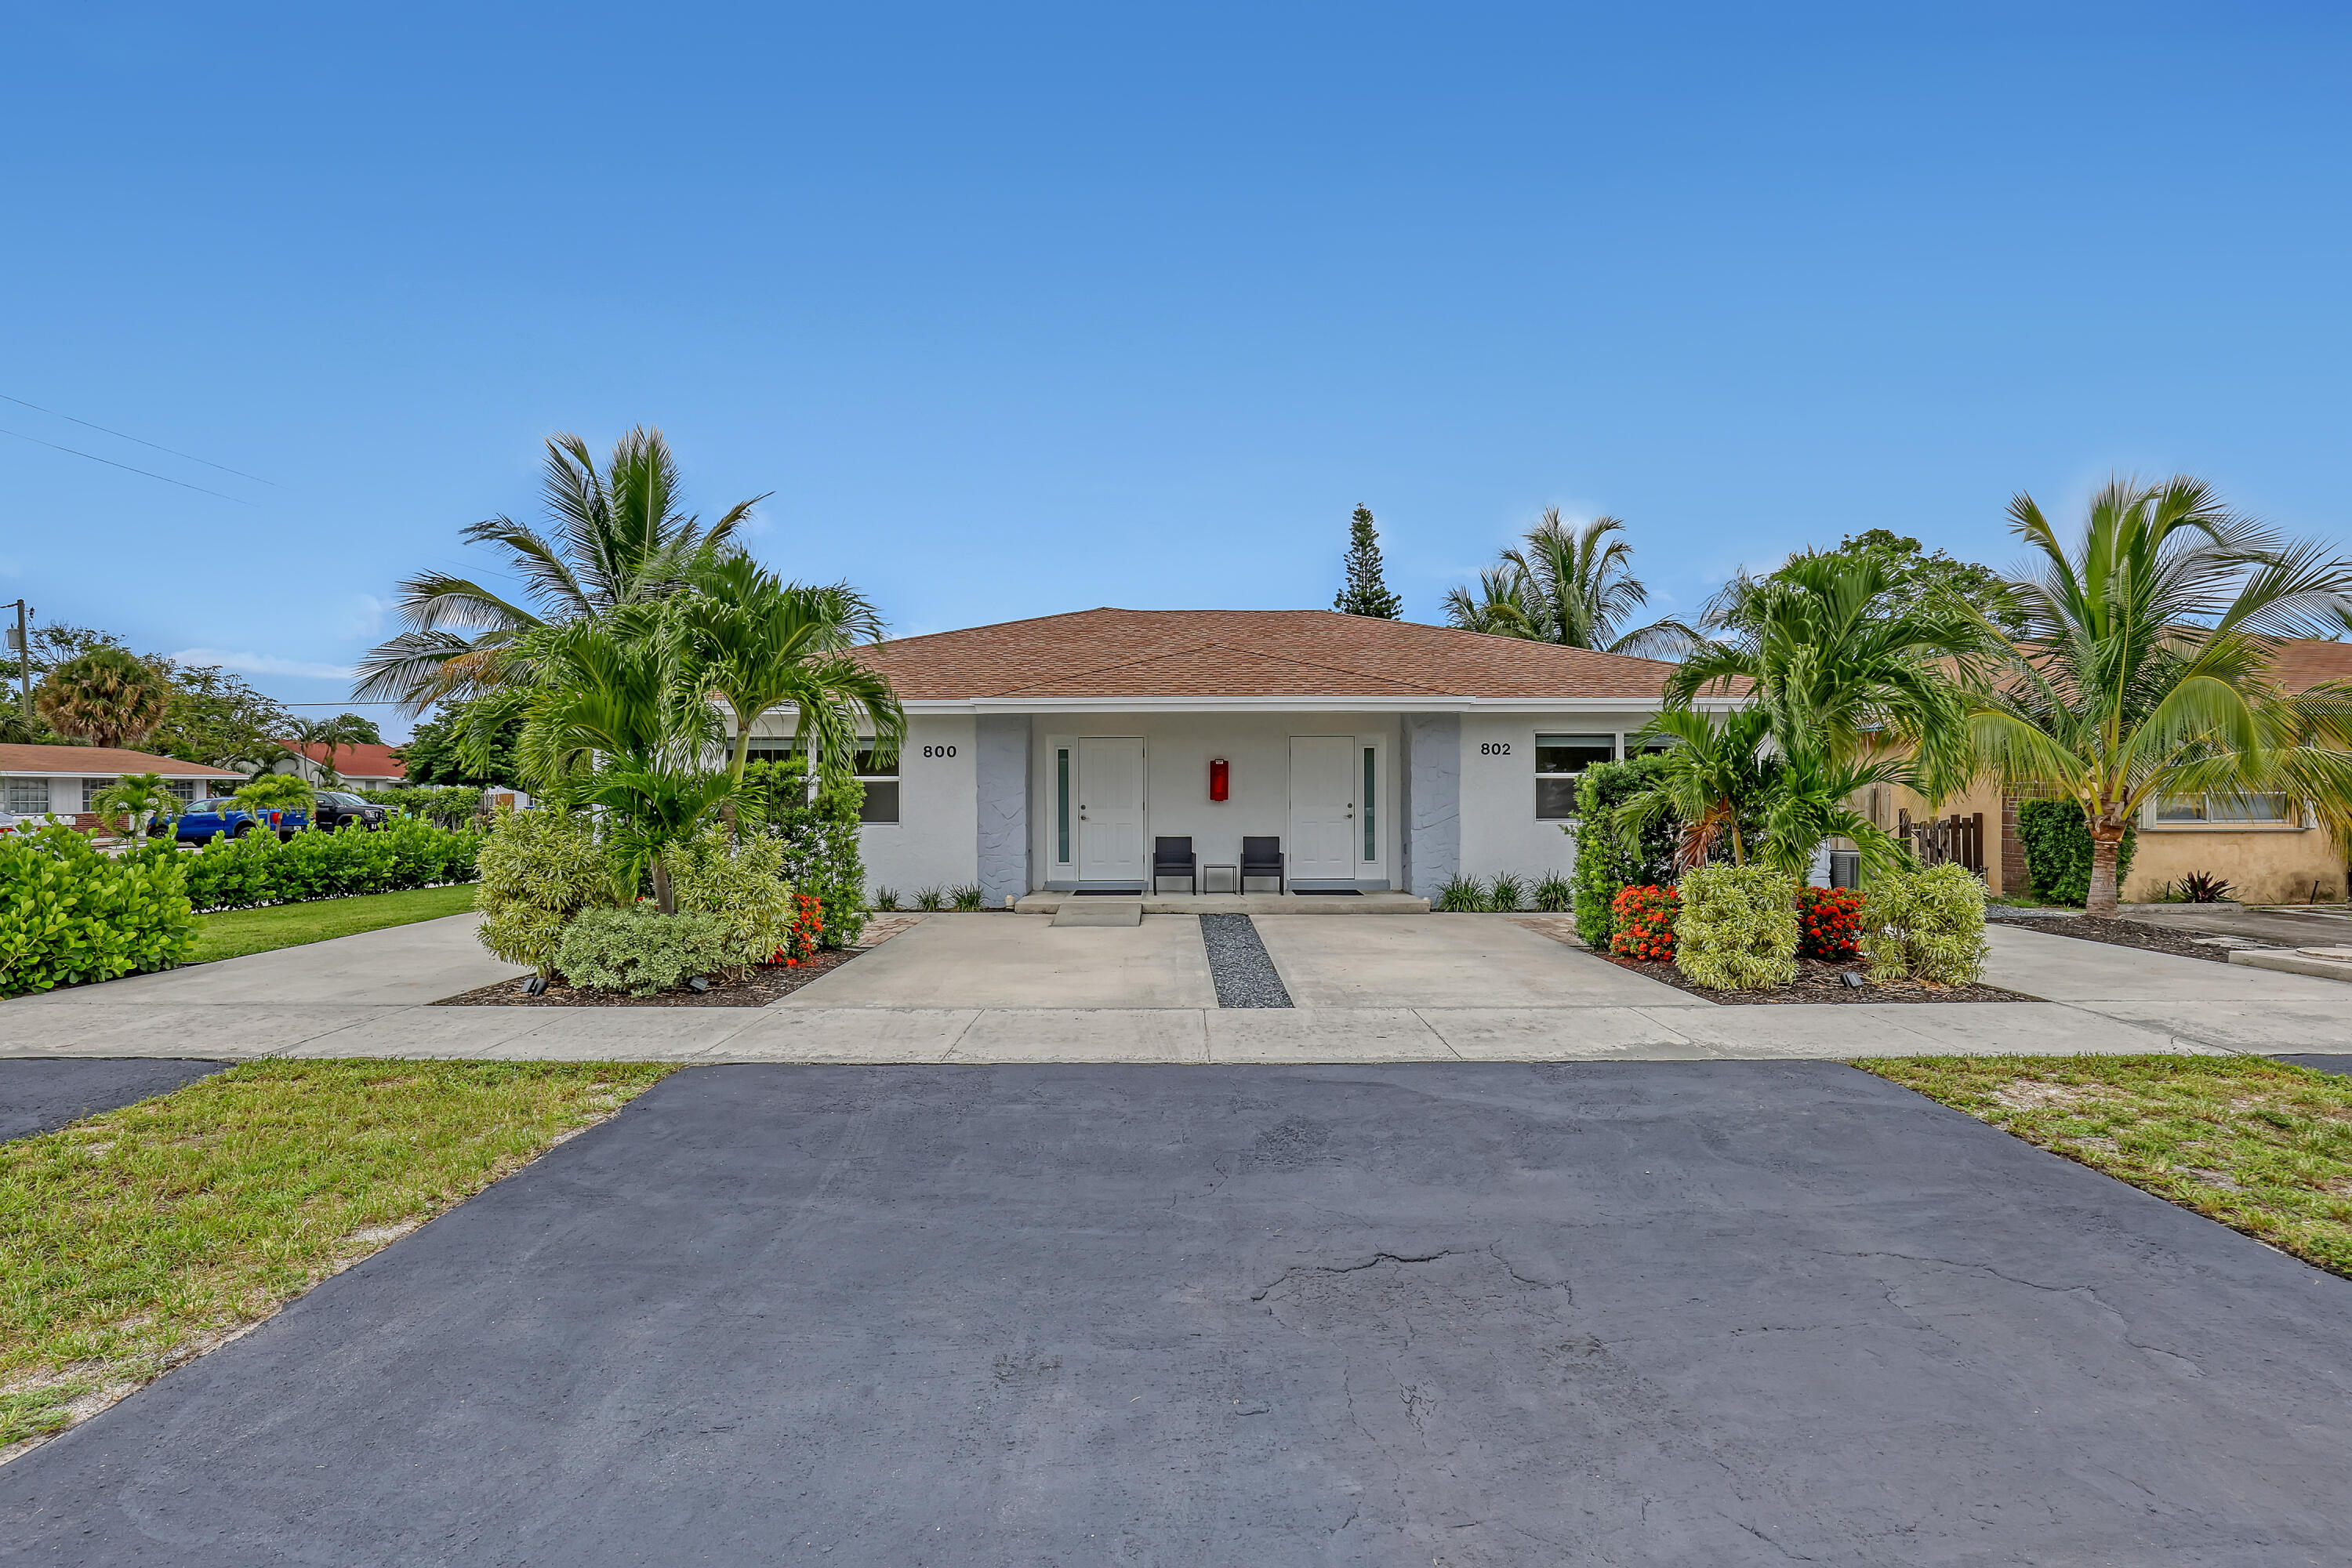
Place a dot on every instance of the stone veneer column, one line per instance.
(1001, 775)
(1430, 805)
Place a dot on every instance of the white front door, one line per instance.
(1110, 810)
(1322, 843)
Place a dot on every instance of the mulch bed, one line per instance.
(1818, 983)
(764, 984)
(2123, 933)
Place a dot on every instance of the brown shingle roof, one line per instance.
(97, 762)
(1247, 653)
(2306, 662)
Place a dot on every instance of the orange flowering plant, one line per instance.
(1645, 919)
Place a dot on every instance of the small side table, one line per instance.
(1206, 868)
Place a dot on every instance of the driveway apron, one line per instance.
(1455, 1313)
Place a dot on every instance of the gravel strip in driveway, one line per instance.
(1468, 1313)
(1244, 976)
(43, 1095)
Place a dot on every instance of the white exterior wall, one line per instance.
(1500, 831)
(935, 843)
(1178, 748)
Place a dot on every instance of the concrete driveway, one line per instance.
(1445, 961)
(1022, 960)
(1464, 1314)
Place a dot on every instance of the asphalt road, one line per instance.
(41, 1096)
(1690, 1313)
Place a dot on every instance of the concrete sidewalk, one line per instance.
(1007, 988)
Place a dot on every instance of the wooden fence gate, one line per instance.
(1958, 840)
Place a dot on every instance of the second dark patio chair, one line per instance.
(1174, 858)
(1262, 857)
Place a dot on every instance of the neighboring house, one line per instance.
(2269, 852)
(63, 780)
(359, 767)
(1048, 754)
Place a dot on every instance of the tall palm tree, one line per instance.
(1571, 586)
(2143, 670)
(759, 644)
(618, 537)
(617, 717)
(106, 697)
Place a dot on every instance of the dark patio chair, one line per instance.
(1262, 857)
(1174, 858)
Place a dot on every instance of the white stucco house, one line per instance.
(1047, 754)
(38, 782)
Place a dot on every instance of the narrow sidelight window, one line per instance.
(1371, 840)
(1061, 804)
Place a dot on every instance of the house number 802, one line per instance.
(1495, 748)
(939, 751)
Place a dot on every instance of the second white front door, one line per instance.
(1322, 808)
(1110, 810)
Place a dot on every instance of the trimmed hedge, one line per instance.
(1927, 925)
(1603, 865)
(2058, 851)
(641, 951)
(1737, 928)
(444, 805)
(540, 870)
(258, 869)
(69, 915)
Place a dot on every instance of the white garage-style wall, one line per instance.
(1178, 749)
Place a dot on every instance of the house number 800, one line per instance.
(939, 751)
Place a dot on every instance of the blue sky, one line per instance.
(1020, 309)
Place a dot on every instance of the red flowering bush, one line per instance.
(1646, 923)
(1829, 923)
(808, 930)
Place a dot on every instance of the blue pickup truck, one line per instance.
(203, 818)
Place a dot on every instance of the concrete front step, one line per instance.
(1233, 904)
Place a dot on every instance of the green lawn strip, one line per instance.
(2261, 1146)
(236, 932)
(134, 1239)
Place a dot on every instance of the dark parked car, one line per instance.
(340, 808)
(203, 818)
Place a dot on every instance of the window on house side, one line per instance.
(2225, 810)
(91, 789)
(27, 797)
(1061, 804)
(1559, 759)
(1372, 839)
(881, 782)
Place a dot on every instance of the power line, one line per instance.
(110, 463)
(191, 457)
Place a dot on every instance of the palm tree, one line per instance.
(330, 735)
(1574, 587)
(618, 538)
(616, 718)
(105, 697)
(128, 804)
(2143, 670)
(759, 644)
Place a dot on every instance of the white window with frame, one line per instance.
(1061, 782)
(2258, 810)
(184, 788)
(1559, 759)
(25, 797)
(91, 789)
(880, 779)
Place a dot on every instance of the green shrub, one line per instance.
(1507, 893)
(258, 869)
(1555, 894)
(884, 898)
(929, 899)
(1462, 896)
(820, 837)
(640, 950)
(1737, 928)
(1603, 864)
(743, 888)
(2058, 851)
(1927, 925)
(540, 870)
(68, 915)
(965, 897)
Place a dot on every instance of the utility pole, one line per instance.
(22, 643)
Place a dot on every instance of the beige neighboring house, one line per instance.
(61, 781)
(359, 767)
(2268, 852)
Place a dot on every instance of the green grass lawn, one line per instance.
(135, 1239)
(236, 932)
(2262, 1147)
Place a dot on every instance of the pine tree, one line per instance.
(1366, 594)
